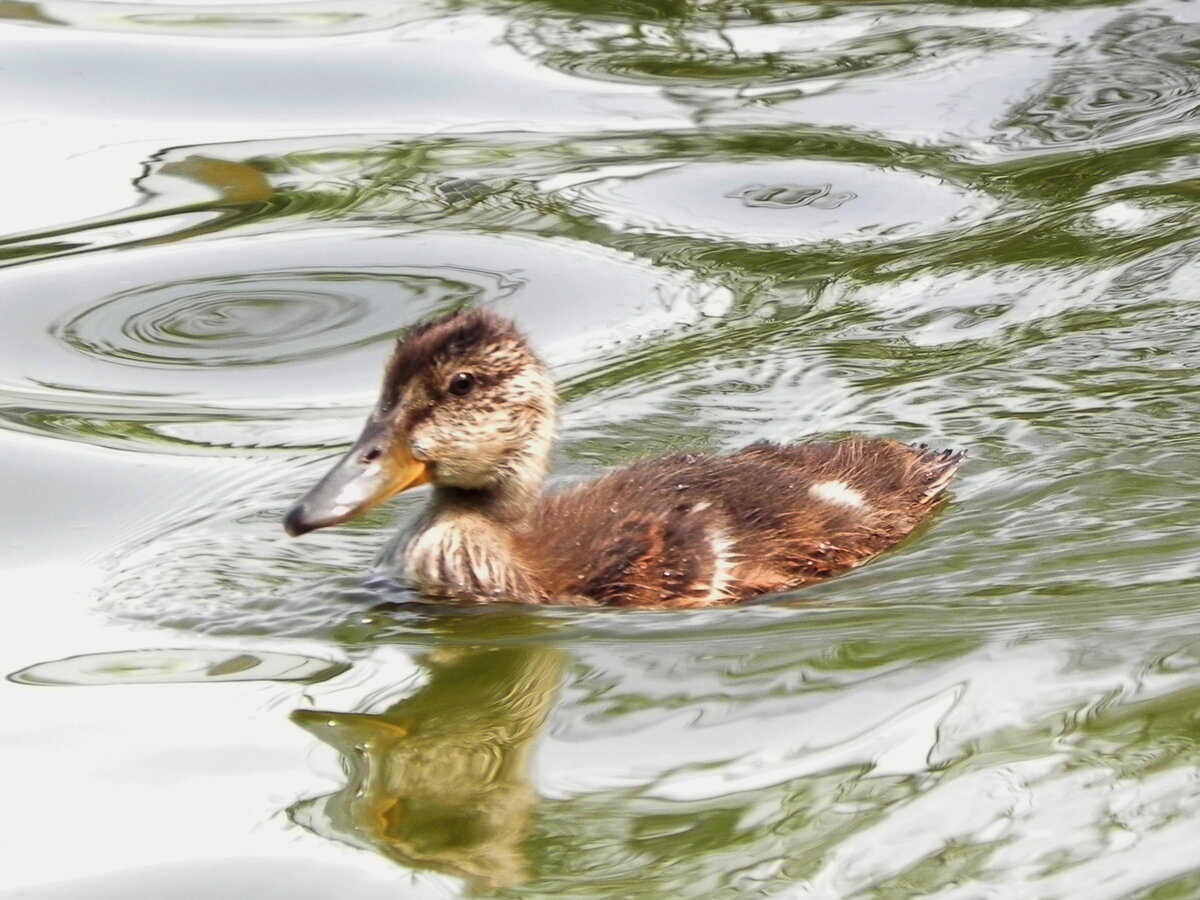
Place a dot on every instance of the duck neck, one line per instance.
(464, 544)
(449, 504)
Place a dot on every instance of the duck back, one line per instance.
(692, 530)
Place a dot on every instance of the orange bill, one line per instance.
(379, 465)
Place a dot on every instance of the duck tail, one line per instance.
(938, 468)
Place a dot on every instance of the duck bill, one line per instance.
(378, 466)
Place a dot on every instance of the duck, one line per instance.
(468, 408)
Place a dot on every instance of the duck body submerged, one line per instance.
(467, 406)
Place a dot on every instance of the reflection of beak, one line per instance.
(378, 466)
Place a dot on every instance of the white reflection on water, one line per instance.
(900, 744)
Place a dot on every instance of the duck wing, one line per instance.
(700, 530)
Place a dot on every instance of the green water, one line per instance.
(969, 224)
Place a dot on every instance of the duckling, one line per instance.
(468, 407)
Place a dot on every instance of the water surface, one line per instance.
(970, 224)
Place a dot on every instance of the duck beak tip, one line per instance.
(296, 523)
(351, 487)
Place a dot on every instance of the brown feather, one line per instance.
(650, 528)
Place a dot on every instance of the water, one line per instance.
(971, 224)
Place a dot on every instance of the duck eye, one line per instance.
(461, 384)
(373, 454)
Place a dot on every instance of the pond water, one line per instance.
(973, 224)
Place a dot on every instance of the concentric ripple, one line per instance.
(250, 320)
(780, 202)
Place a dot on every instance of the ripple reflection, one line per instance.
(250, 319)
(1136, 78)
(178, 666)
(780, 202)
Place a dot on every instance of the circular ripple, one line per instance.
(178, 666)
(780, 202)
(252, 320)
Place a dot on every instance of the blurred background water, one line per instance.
(973, 224)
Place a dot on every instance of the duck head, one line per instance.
(466, 406)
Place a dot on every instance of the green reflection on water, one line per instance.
(438, 780)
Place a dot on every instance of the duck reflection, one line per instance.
(438, 780)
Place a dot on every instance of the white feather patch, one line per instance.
(722, 549)
(838, 492)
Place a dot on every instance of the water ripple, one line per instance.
(1138, 78)
(215, 20)
(181, 665)
(745, 47)
(781, 203)
(250, 320)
